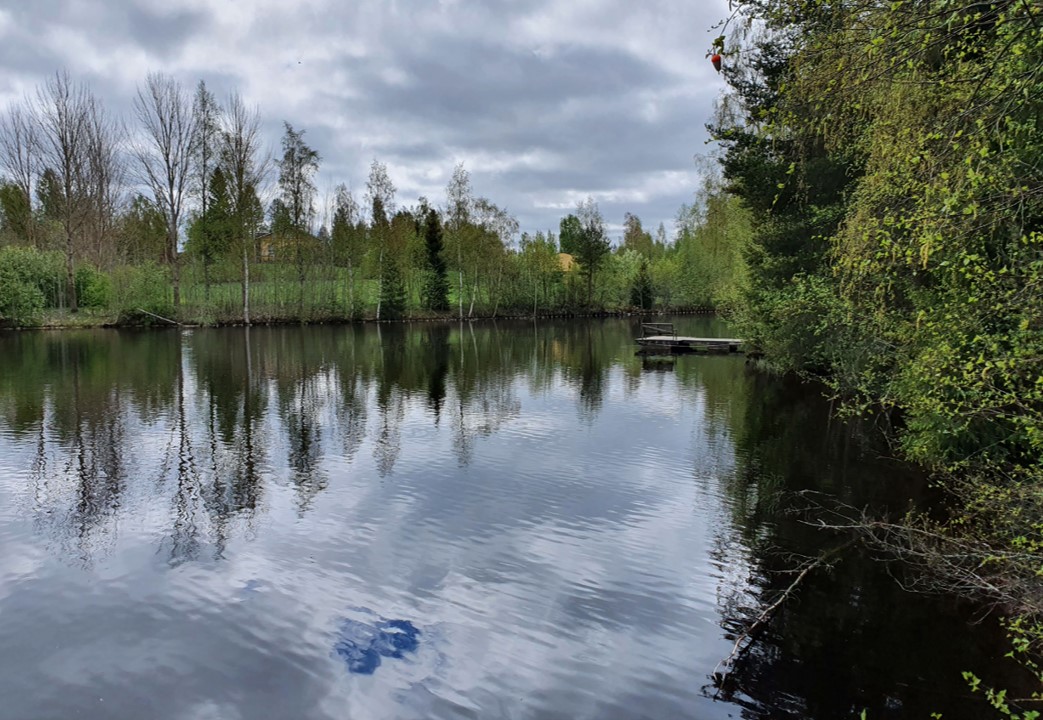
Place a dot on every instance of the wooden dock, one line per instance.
(660, 337)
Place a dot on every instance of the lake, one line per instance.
(488, 520)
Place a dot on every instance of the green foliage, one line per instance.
(141, 288)
(570, 234)
(436, 283)
(49, 195)
(16, 212)
(93, 289)
(30, 280)
(714, 238)
(210, 233)
(297, 167)
(641, 295)
(890, 156)
(635, 238)
(392, 291)
(1025, 638)
(539, 269)
(19, 300)
(592, 244)
(143, 232)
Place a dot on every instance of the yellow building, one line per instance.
(568, 262)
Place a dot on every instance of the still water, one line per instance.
(498, 520)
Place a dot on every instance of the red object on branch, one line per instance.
(716, 60)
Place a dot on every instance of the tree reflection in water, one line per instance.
(222, 430)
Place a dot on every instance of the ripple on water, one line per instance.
(569, 534)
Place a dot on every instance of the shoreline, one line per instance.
(109, 324)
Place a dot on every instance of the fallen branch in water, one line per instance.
(174, 322)
(738, 649)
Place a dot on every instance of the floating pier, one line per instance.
(660, 337)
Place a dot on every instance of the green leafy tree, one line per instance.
(295, 206)
(570, 234)
(641, 293)
(540, 266)
(348, 236)
(381, 193)
(459, 231)
(245, 169)
(635, 238)
(593, 244)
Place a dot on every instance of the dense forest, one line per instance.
(182, 212)
(891, 156)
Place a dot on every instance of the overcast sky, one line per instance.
(544, 101)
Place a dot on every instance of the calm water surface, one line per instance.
(489, 521)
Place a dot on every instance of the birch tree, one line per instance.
(297, 169)
(459, 202)
(380, 192)
(245, 169)
(348, 237)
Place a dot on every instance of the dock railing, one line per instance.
(649, 329)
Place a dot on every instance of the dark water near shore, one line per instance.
(222, 524)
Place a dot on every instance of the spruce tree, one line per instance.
(641, 294)
(436, 283)
(392, 290)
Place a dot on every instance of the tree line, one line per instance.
(184, 213)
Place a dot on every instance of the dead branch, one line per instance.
(740, 648)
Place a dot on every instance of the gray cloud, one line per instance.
(544, 102)
(162, 32)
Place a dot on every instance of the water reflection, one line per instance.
(579, 530)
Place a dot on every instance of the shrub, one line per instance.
(42, 270)
(93, 288)
(19, 301)
(29, 281)
(139, 290)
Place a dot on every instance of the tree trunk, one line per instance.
(175, 272)
(380, 282)
(70, 275)
(351, 290)
(499, 286)
(246, 287)
(460, 273)
(300, 276)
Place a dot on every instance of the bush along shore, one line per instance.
(63, 320)
(890, 155)
(33, 294)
